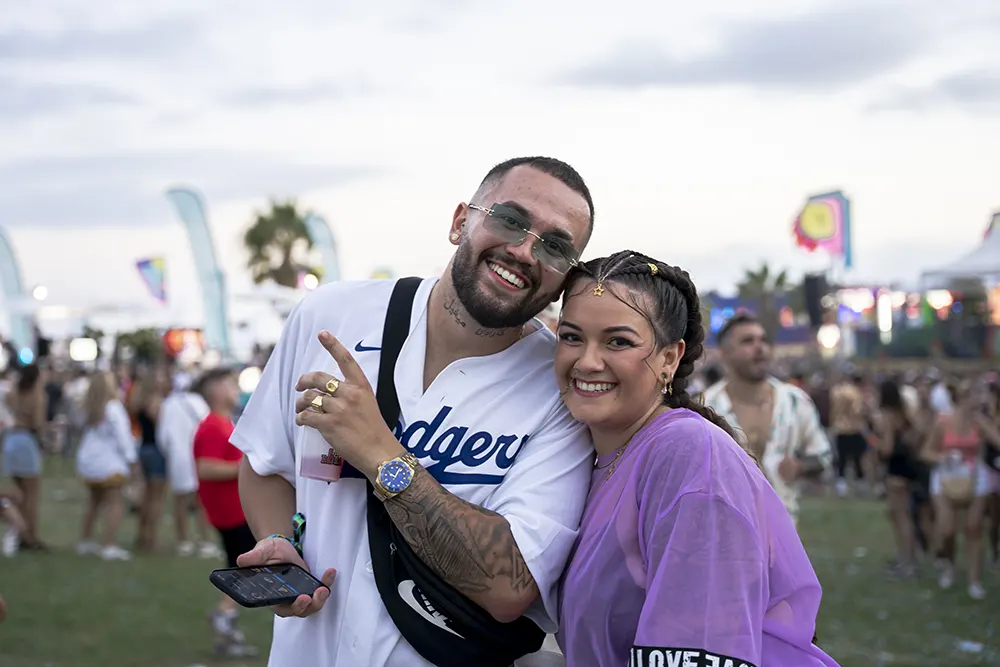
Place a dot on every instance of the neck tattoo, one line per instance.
(489, 333)
(451, 306)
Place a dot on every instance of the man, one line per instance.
(779, 422)
(502, 472)
(218, 466)
(849, 424)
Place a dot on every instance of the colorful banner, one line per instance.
(191, 210)
(21, 332)
(323, 239)
(154, 274)
(825, 224)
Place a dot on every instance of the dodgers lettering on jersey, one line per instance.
(650, 656)
(459, 455)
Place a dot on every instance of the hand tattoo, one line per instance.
(470, 547)
(452, 308)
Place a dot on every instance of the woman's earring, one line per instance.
(668, 385)
(454, 236)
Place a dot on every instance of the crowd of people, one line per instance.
(134, 435)
(587, 472)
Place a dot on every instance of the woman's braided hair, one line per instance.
(676, 316)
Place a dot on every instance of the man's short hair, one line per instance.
(203, 385)
(547, 165)
(736, 320)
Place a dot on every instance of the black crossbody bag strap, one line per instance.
(472, 636)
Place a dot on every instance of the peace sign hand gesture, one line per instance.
(345, 412)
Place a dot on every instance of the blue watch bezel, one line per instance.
(395, 486)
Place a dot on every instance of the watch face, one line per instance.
(395, 476)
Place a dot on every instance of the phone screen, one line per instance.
(267, 584)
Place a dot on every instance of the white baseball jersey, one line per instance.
(491, 429)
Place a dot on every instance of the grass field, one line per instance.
(69, 611)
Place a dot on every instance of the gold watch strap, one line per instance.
(407, 458)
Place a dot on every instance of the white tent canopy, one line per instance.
(982, 263)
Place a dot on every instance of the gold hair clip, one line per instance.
(652, 269)
(599, 288)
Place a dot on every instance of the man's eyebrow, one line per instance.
(526, 214)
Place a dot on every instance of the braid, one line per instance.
(694, 347)
(678, 318)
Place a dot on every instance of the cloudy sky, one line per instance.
(700, 127)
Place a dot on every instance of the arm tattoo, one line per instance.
(468, 546)
(452, 308)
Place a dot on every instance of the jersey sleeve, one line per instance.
(542, 497)
(265, 430)
(706, 585)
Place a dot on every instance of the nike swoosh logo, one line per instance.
(362, 348)
(409, 592)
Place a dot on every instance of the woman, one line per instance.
(685, 554)
(898, 449)
(992, 459)
(105, 460)
(145, 401)
(960, 482)
(22, 448)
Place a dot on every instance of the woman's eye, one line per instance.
(568, 337)
(620, 342)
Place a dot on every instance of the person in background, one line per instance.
(181, 413)
(960, 482)
(991, 456)
(779, 423)
(146, 399)
(76, 390)
(218, 464)
(940, 394)
(850, 428)
(22, 448)
(922, 419)
(898, 445)
(105, 460)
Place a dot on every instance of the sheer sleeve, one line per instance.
(706, 583)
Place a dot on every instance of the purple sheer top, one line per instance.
(686, 556)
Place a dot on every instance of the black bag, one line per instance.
(445, 627)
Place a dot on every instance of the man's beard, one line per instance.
(487, 310)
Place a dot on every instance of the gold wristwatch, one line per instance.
(394, 476)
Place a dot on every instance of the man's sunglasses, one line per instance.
(549, 249)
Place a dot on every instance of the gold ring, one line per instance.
(317, 403)
(332, 386)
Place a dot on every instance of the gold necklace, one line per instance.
(614, 461)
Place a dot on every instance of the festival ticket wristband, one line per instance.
(298, 532)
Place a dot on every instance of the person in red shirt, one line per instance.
(218, 464)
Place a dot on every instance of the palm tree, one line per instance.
(760, 286)
(278, 243)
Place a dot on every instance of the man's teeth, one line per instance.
(506, 275)
(594, 386)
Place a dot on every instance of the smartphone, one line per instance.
(265, 585)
